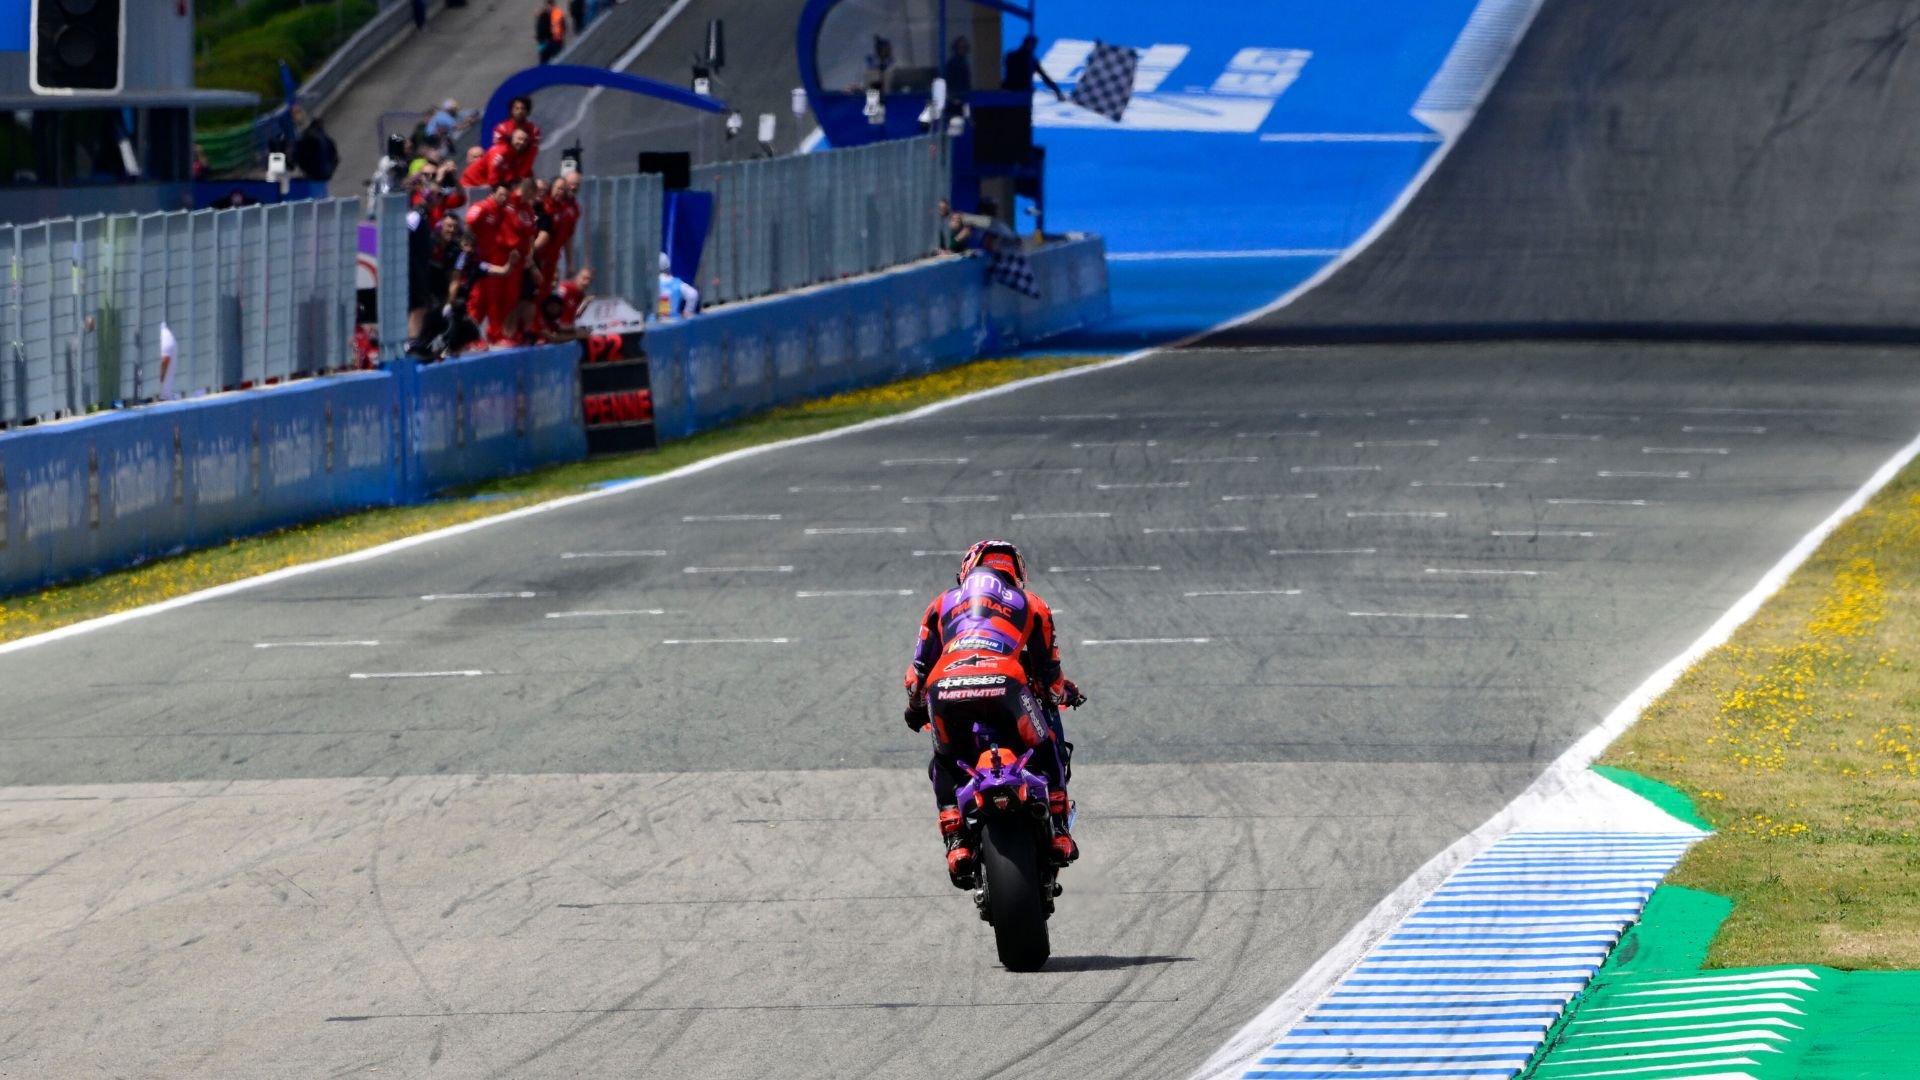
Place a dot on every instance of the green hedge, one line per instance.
(243, 47)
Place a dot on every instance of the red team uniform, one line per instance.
(489, 302)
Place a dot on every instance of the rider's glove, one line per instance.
(916, 715)
(1070, 695)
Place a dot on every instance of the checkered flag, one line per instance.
(1007, 264)
(1106, 83)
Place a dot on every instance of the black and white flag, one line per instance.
(1007, 264)
(1106, 83)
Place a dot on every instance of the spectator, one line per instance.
(959, 76)
(314, 152)
(500, 164)
(578, 9)
(201, 170)
(1023, 65)
(678, 300)
(419, 14)
(536, 282)
(880, 65)
(169, 362)
(390, 174)
(520, 228)
(488, 300)
(573, 295)
(956, 236)
(563, 212)
(447, 123)
(550, 30)
(520, 117)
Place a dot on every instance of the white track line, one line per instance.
(1458, 484)
(1050, 417)
(691, 519)
(1276, 434)
(1214, 460)
(736, 569)
(1568, 768)
(613, 554)
(1146, 486)
(1599, 416)
(466, 674)
(1243, 592)
(480, 596)
(726, 641)
(1397, 442)
(1685, 450)
(608, 613)
(859, 530)
(1148, 641)
(893, 463)
(1062, 515)
(1323, 551)
(1713, 429)
(1270, 497)
(1599, 502)
(1396, 513)
(1118, 442)
(816, 594)
(1488, 573)
(315, 644)
(1626, 474)
(1530, 533)
(834, 489)
(1333, 468)
(1407, 615)
(1514, 460)
(916, 499)
(1420, 420)
(1039, 470)
(1102, 569)
(1560, 437)
(1162, 529)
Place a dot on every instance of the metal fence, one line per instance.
(249, 294)
(265, 293)
(785, 223)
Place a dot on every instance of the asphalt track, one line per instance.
(632, 846)
(1735, 169)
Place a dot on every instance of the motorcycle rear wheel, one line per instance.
(1011, 861)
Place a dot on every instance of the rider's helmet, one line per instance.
(999, 555)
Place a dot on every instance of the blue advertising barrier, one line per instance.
(127, 486)
(742, 358)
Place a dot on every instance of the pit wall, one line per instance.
(744, 358)
(123, 487)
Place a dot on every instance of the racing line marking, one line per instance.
(1152, 529)
(1629, 475)
(1148, 641)
(1489, 573)
(1061, 515)
(480, 596)
(1396, 513)
(693, 518)
(896, 462)
(808, 594)
(1685, 450)
(1333, 468)
(1267, 497)
(1143, 486)
(315, 644)
(727, 641)
(859, 530)
(1530, 533)
(467, 674)
(834, 489)
(1323, 551)
(1599, 502)
(1100, 569)
(1459, 483)
(1407, 615)
(1514, 460)
(949, 498)
(1243, 592)
(613, 554)
(737, 570)
(1711, 429)
(609, 613)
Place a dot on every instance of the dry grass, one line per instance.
(1798, 741)
(166, 578)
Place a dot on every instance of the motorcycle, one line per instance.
(1008, 826)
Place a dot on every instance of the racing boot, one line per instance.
(960, 863)
(1060, 809)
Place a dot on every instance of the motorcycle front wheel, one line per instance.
(1015, 907)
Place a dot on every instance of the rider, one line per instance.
(986, 650)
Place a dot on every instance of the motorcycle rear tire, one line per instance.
(1015, 907)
